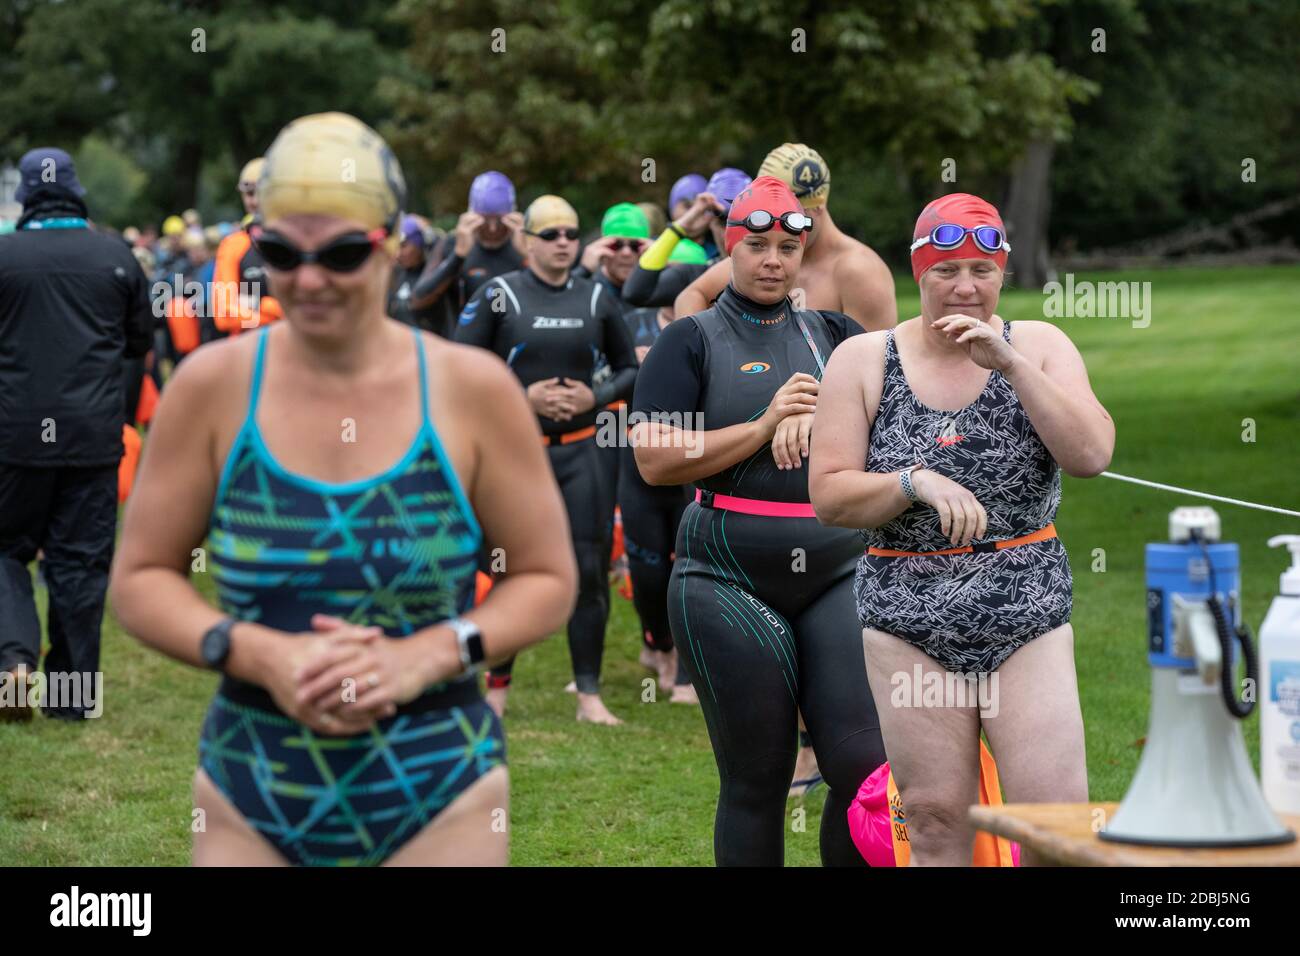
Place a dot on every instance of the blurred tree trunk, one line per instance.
(1026, 216)
(185, 179)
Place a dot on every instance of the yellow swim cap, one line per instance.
(802, 169)
(336, 165)
(548, 211)
(173, 226)
(252, 171)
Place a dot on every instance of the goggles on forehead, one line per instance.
(760, 220)
(948, 235)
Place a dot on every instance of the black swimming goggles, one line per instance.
(948, 235)
(760, 220)
(347, 253)
(550, 235)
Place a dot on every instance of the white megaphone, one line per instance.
(1195, 786)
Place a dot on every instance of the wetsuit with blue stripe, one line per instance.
(396, 551)
(545, 331)
(762, 607)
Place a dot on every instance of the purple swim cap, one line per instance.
(726, 184)
(412, 231)
(688, 187)
(492, 194)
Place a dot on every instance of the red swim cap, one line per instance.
(768, 194)
(964, 210)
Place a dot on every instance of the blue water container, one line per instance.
(1182, 569)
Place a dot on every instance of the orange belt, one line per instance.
(569, 437)
(983, 547)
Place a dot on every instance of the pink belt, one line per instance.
(753, 506)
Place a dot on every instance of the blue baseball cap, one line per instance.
(45, 167)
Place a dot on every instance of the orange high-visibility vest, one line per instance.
(238, 261)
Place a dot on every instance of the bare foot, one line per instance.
(496, 699)
(805, 769)
(592, 710)
(667, 667)
(684, 694)
(648, 658)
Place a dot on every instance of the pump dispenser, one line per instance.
(1279, 667)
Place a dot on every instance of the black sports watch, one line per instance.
(215, 646)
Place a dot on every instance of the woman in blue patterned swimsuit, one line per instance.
(340, 472)
(964, 425)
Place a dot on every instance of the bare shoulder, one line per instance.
(864, 347)
(1041, 339)
(215, 371)
(858, 257)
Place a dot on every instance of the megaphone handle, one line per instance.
(1238, 708)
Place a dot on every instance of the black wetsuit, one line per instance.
(400, 296)
(762, 607)
(651, 515)
(545, 331)
(647, 287)
(460, 279)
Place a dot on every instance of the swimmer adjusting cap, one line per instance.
(726, 183)
(492, 194)
(546, 212)
(336, 165)
(802, 169)
(686, 189)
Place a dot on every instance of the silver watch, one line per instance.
(905, 479)
(470, 641)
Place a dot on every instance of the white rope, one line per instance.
(1200, 494)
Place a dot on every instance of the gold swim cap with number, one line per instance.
(547, 212)
(336, 165)
(802, 169)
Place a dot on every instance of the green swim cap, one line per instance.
(627, 220)
(688, 251)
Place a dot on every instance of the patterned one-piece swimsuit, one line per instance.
(968, 611)
(397, 551)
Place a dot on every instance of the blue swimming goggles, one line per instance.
(948, 235)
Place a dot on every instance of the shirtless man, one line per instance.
(838, 272)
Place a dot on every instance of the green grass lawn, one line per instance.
(1221, 347)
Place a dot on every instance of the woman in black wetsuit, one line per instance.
(760, 601)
